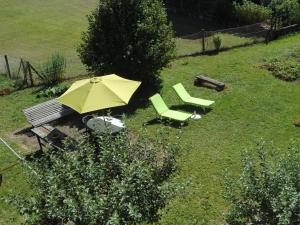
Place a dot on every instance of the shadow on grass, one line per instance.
(191, 109)
(166, 122)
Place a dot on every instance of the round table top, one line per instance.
(105, 124)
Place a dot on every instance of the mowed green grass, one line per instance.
(255, 105)
(187, 46)
(35, 29)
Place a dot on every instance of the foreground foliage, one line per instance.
(130, 38)
(101, 180)
(268, 191)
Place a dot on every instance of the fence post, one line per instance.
(24, 72)
(7, 66)
(29, 73)
(203, 41)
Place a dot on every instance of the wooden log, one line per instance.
(7, 66)
(200, 80)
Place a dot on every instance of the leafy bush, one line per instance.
(130, 38)
(217, 40)
(284, 12)
(288, 70)
(52, 91)
(268, 190)
(8, 86)
(18, 83)
(101, 179)
(5, 82)
(248, 12)
(52, 72)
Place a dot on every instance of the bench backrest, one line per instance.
(46, 112)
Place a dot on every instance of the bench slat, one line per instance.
(46, 112)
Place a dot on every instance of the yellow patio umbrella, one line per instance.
(99, 93)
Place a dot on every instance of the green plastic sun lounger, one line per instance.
(163, 110)
(185, 97)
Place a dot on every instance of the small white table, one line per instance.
(105, 124)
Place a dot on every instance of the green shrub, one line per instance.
(248, 12)
(217, 40)
(268, 190)
(284, 12)
(52, 71)
(130, 38)
(52, 91)
(101, 179)
(288, 70)
(18, 83)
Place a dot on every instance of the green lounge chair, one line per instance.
(185, 97)
(163, 110)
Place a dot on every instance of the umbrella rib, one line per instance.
(89, 92)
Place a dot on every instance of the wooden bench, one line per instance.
(200, 80)
(46, 112)
(47, 134)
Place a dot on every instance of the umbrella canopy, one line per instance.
(99, 93)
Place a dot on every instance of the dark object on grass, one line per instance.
(5, 91)
(1, 178)
(202, 80)
(297, 123)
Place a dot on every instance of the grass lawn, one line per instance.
(35, 29)
(5, 82)
(255, 105)
(191, 46)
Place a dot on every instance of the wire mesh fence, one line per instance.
(203, 41)
(11, 67)
(17, 69)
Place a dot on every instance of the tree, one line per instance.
(132, 38)
(268, 190)
(102, 179)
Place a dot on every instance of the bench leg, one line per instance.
(39, 141)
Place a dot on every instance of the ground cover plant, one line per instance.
(8, 85)
(268, 189)
(287, 69)
(5, 82)
(104, 179)
(254, 105)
